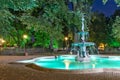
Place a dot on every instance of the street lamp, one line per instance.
(2, 41)
(25, 37)
(66, 39)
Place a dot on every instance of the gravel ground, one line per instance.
(21, 72)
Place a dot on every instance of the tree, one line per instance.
(42, 15)
(49, 20)
(9, 21)
(116, 28)
(52, 16)
(100, 29)
(6, 18)
(11, 28)
(18, 4)
(77, 9)
(117, 1)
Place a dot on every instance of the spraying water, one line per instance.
(80, 47)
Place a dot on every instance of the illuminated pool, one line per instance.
(68, 62)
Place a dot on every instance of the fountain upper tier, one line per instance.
(85, 44)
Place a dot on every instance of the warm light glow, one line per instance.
(2, 41)
(101, 46)
(25, 36)
(66, 38)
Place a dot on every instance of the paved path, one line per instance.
(20, 72)
(8, 59)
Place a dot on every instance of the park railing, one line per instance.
(21, 51)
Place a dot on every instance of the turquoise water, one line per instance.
(68, 62)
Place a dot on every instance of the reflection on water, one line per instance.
(93, 65)
(67, 63)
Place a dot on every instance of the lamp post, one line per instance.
(66, 39)
(2, 41)
(25, 37)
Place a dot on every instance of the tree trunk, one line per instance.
(51, 44)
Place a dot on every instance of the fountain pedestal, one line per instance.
(81, 49)
(82, 59)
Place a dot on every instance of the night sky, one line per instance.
(108, 9)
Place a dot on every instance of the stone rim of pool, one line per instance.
(75, 71)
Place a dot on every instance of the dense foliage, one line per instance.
(47, 22)
(117, 1)
(43, 21)
(116, 28)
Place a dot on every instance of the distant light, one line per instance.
(66, 38)
(25, 36)
(3, 41)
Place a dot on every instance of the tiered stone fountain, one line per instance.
(81, 47)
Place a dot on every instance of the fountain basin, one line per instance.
(67, 62)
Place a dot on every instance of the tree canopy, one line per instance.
(116, 28)
(117, 1)
(44, 16)
(52, 19)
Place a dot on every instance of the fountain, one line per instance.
(80, 47)
(82, 61)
